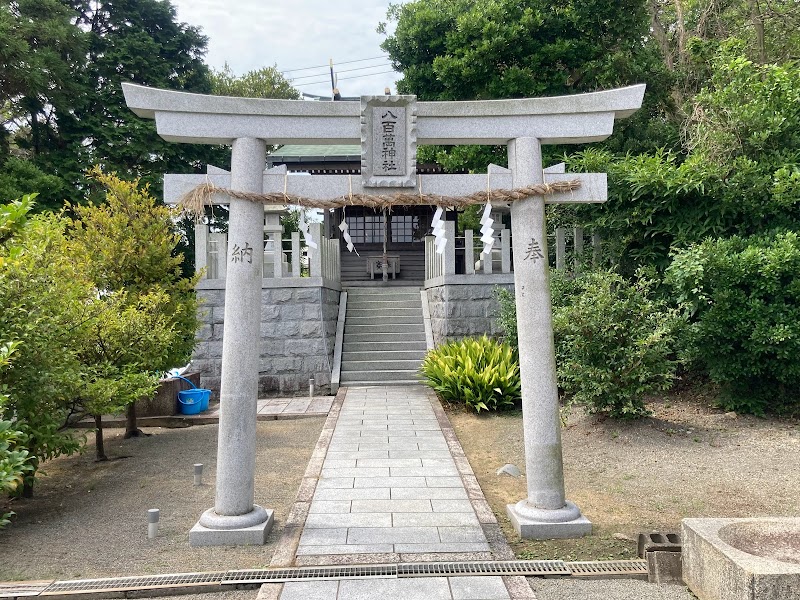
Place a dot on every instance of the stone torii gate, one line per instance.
(523, 124)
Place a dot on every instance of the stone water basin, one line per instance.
(742, 559)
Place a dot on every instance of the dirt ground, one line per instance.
(88, 519)
(688, 460)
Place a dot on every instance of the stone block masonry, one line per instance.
(464, 309)
(298, 332)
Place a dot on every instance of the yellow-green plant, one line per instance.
(481, 372)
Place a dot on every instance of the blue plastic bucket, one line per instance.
(191, 402)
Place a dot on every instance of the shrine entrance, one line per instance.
(388, 129)
(400, 232)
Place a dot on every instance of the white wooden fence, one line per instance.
(292, 259)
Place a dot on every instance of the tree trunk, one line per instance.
(660, 34)
(131, 430)
(680, 31)
(758, 24)
(100, 451)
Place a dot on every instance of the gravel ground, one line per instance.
(611, 589)
(88, 519)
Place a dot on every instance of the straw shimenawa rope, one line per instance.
(194, 201)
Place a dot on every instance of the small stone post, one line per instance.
(545, 513)
(235, 519)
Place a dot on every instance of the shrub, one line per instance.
(613, 341)
(743, 298)
(482, 372)
(507, 316)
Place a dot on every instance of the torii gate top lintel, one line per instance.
(198, 118)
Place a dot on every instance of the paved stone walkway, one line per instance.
(395, 486)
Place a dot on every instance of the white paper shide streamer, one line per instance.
(487, 233)
(438, 231)
(306, 229)
(346, 236)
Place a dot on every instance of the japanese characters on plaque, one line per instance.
(388, 141)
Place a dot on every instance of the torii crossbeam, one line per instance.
(523, 124)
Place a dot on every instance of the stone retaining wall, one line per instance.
(298, 333)
(464, 309)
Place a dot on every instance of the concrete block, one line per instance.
(664, 566)
(245, 536)
(742, 559)
(530, 529)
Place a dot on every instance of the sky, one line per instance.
(250, 34)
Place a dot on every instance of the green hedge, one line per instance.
(742, 296)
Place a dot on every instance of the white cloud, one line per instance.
(248, 34)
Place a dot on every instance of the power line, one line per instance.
(379, 65)
(346, 62)
(343, 78)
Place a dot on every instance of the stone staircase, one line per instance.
(384, 336)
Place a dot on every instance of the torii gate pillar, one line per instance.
(545, 513)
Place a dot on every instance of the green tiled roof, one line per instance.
(300, 152)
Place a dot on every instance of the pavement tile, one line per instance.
(356, 454)
(335, 483)
(377, 493)
(392, 506)
(349, 520)
(423, 588)
(394, 535)
(441, 548)
(324, 537)
(451, 506)
(390, 482)
(460, 535)
(340, 463)
(389, 462)
(478, 588)
(450, 471)
(444, 482)
(329, 507)
(356, 472)
(431, 519)
(422, 493)
(303, 590)
(344, 549)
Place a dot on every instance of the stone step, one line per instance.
(394, 311)
(383, 307)
(407, 289)
(380, 376)
(392, 383)
(386, 297)
(382, 328)
(383, 337)
(382, 366)
(384, 354)
(401, 344)
(378, 318)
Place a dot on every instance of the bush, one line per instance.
(479, 371)
(743, 298)
(613, 341)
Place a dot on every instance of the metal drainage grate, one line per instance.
(519, 567)
(607, 568)
(253, 576)
(119, 584)
(17, 589)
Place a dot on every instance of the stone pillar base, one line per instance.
(236, 535)
(540, 524)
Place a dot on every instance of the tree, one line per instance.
(42, 309)
(13, 455)
(493, 49)
(127, 245)
(266, 82)
(39, 56)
